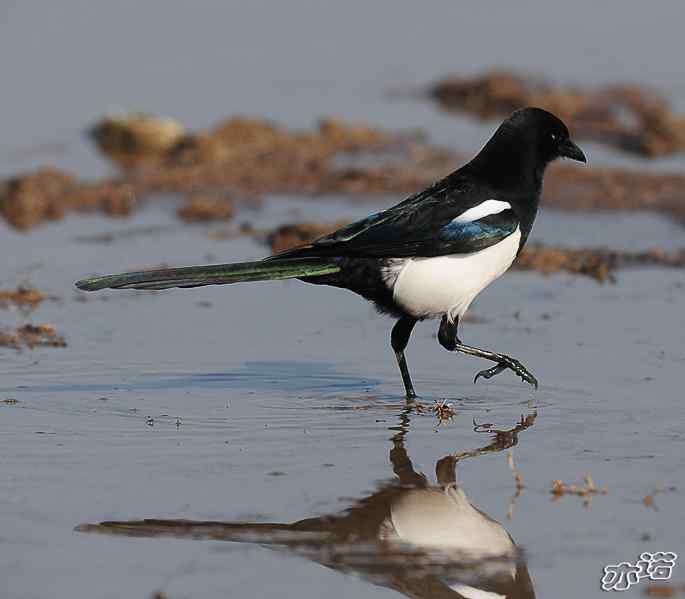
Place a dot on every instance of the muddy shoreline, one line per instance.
(249, 158)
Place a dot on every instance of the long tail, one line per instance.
(219, 274)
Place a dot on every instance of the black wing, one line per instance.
(422, 225)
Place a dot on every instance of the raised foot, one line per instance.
(507, 363)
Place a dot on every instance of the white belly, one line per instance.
(431, 287)
(445, 519)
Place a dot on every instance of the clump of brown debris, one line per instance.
(610, 189)
(598, 263)
(48, 193)
(32, 335)
(22, 297)
(443, 411)
(200, 208)
(664, 590)
(586, 490)
(632, 118)
(255, 153)
(291, 235)
(240, 155)
(132, 137)
(248, 158)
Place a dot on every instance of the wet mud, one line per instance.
(249, 158)
(245, 156)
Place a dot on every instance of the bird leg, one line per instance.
(447, 335)
(399, 339)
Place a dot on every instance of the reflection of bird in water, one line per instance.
(420, 539)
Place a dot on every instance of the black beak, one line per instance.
(570, 150)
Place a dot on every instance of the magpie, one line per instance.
(427, 257)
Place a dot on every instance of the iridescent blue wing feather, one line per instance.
(426, 224)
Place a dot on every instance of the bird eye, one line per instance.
(554, 136)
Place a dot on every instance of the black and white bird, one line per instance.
(427, 257)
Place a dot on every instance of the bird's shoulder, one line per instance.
(456, 197)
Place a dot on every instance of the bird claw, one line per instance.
(490, 372)
(512, 364)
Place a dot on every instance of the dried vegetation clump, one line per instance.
(630, 117)
(247, 158)
(136, 136)
(30, 336)
(239, 156)
(291, 235)
(664, 590)
(444, 411)
(199, 208)
(598, 263)
(256, 156)
(253, 156)
(587, 490)
(611, 189)
(21, 297)
(48, 193)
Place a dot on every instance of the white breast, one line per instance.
(470, 592)
(431, 287)
(445, 519)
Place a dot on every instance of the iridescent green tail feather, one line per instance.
(219, 274)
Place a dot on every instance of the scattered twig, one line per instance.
(648, 500)
(443, 410)
(518, 481)
(587, 490)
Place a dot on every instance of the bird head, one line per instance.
(523, 145)
(546, 132)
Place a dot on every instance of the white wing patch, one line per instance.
(482, 210)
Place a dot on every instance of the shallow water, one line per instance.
(272, 403)
(263, 411)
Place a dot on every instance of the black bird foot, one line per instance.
(507, 363)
